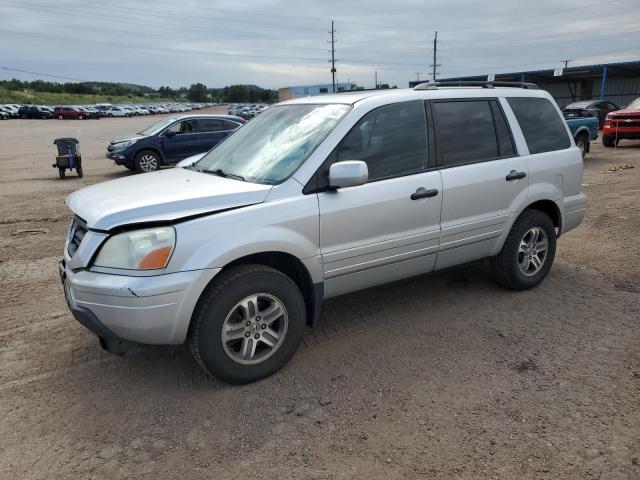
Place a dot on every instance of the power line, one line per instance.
(46, 74)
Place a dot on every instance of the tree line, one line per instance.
(197, 92)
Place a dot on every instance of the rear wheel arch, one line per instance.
(551, 209)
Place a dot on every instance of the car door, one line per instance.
(179, 141)
(484, 181)
(388, 228)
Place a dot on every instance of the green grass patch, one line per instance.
(45, 98)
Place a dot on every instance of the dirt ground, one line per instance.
(446, 376)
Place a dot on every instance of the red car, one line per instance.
(622, 125)
(63, 113)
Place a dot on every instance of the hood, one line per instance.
(625, 111)
(124, 138)
(165, 195)
(190, 160)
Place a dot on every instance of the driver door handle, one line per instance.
(513, 175)
(424, 193)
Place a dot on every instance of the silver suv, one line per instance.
(316, 197)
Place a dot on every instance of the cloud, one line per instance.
(275, 43)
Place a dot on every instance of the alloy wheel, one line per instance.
(532, 252)
(148, 163)
(254, 329)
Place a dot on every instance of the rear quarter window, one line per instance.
(542, 127)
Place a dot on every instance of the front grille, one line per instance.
(625, 117)
(77, 231)
(635, 123)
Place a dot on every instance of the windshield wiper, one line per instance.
(222, 173)
(194, 166)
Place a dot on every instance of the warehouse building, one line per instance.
(617, 82)
(287, 93)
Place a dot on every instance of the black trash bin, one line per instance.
(68, 157)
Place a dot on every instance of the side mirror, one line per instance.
(169, 134)
(349, 173)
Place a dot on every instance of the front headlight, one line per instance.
(146, 249)
(125, 144)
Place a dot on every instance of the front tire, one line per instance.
(147, 161)
(527, 254)
(609, 141)
(247, 324)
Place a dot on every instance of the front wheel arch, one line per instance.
(293, 268)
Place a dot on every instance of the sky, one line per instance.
(278, 43)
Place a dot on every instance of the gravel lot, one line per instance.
(445, 376)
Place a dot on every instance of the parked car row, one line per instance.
(81, 112)
(245, 110)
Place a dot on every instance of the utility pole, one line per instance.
(375, 73)
(418, 76)
(333, 56)
(566, 62)
(435, 65)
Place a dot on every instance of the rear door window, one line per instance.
(542, 127)
(230, 125)
(470, 131)
(210, 125)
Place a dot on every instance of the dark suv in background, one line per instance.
(31, 111)
(171, 140)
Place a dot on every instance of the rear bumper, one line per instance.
(575, 208)
(152, 310)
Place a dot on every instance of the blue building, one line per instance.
(287, 93)
(617, 82)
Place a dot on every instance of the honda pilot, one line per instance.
(317, 197)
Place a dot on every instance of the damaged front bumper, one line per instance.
(151, 309)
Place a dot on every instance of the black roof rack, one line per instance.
(481, 83)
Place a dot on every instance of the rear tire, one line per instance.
(61, 173)
(79, 171)
(60, 117)
(528, 252)
(243, 305)
(80, 117)
(582, 142)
